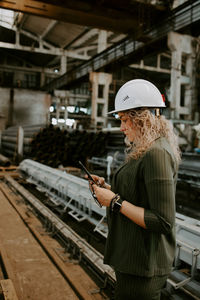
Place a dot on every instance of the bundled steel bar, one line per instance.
(10, 139)
(55, 147)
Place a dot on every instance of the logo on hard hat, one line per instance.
(126, 98)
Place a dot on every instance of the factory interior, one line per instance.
(61, 66)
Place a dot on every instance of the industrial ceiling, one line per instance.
(47, 35)
(44, 30)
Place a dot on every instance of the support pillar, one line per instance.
(183, 94)
(100, 92)
(42, 78)
(62, 99)
(182, 97)
(63, 64)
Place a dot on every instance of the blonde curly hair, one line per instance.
(150, 127)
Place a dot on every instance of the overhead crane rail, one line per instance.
(180, 18)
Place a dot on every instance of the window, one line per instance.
(101, 90)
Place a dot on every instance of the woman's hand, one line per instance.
(100, 181)
(103, 195)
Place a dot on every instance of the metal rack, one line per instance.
(66, 191)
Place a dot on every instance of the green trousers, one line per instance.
(130, 287)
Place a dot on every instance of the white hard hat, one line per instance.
(138, 93)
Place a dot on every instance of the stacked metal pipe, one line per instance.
(9, 139)
(29, 134)
(53, 146)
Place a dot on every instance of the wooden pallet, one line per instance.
(11, 170)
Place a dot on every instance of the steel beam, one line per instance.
(54, 51)
(79, 12)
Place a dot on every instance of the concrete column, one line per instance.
(181, 46)
(57, 109)
(42, 78)
(66, 113)
(100, 92)
(63, 64)
(190, 88)
(175, 89)
(102, 41)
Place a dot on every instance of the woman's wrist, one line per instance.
(116, 203)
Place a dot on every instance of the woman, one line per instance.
(141, 200)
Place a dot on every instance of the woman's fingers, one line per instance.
(104, 196)
(97, 179)
(101, 181)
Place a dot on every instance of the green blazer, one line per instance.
(148, 182)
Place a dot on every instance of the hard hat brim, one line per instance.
(121, 110)
(116, 111)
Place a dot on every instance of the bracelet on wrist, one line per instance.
(116, 203)
(113, 200)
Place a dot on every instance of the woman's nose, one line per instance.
(122, 127)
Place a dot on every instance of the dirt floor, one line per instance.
(32, 272)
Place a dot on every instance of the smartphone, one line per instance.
(87, 172)
(90, 178)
